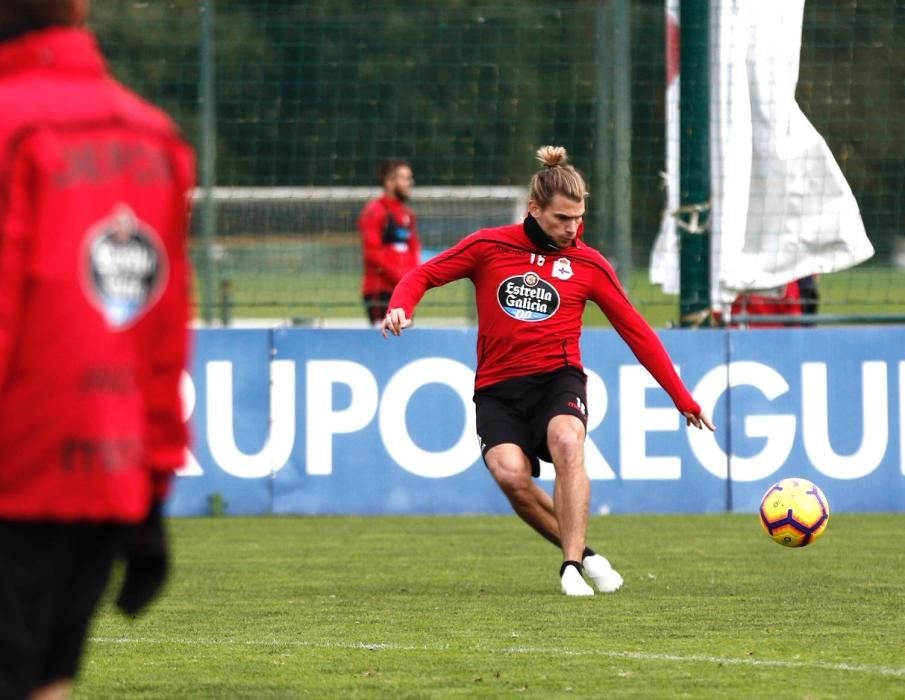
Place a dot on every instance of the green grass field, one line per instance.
(470, 607)
(320, 279)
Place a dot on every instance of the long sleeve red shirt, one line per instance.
(93, 286)
(530, 302)
(389, 243)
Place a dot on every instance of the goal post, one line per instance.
(294, 252)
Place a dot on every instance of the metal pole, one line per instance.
(622, 140)
(601, 201)
(208, 160)
(694, 164)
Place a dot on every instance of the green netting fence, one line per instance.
(310, 95)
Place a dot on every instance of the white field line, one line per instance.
(542, 651)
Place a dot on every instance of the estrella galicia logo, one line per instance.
(125, 267)
(527, 297)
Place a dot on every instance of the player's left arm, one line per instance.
(608, 294)
(165, 344)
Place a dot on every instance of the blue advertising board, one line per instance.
(315, 421)
(823, 404)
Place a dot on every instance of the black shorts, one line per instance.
(518, 410)
(376, 306)
(52, 577)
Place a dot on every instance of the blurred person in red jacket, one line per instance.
(797, 300)
(94, 303)
(389, 238)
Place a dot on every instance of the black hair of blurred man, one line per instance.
(19, 17)
(396, 178)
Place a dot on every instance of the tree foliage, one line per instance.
(318, 92)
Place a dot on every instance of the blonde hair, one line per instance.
(556, 177)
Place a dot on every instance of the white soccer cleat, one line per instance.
(573, 584)
(604, 576)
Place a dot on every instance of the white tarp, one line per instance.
(781, 208)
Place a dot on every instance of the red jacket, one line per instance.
(530, 302)
(93, 286)
(789, 304)
(389, 243)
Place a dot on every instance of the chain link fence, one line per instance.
(309, 96)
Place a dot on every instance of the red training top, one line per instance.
(93, 286)
(530, 300)
(389, 242)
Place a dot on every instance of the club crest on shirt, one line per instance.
(562, 268)
(397, 233)
(125, 267)
(527, 297)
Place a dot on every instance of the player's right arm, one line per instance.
(395, 322)
(454, 264)
(376, 255)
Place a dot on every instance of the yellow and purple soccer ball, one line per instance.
(794, 512)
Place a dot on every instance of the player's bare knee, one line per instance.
(565, 443)
(513, 481)
(512, 477)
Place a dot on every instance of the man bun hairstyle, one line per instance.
(556, 176)
(551, 156)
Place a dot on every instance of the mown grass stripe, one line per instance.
(543, 651)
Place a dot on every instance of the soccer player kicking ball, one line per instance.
(532, 281)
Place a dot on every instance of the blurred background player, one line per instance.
(798, 299)
(93, 311)
(532, 281)
(389, 238)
